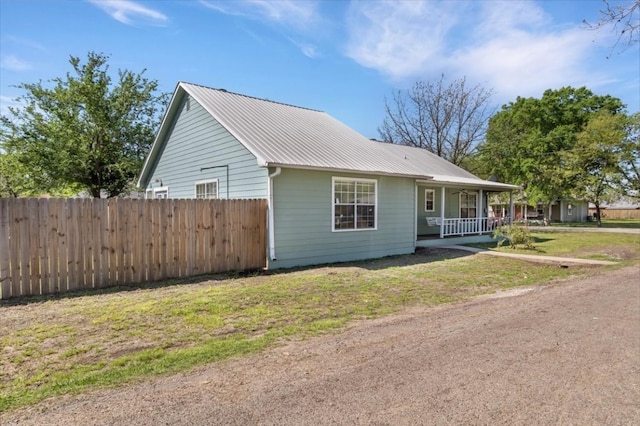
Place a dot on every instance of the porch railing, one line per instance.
(466, 226)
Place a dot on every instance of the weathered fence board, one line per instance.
(58, 245)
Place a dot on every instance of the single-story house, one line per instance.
(564, 210)
(333, 194)
(623, 208)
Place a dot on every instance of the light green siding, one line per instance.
(195, 141)
(303, 231)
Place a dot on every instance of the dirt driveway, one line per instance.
(567, 353)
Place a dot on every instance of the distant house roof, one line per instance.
(624, 203)
(281, 135)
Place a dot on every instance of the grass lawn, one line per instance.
(58, 345)
(606, 223)
(624, 248)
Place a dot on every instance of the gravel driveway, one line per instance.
(567, 353)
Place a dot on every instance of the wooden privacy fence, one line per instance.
(617, 213)
(59, 245)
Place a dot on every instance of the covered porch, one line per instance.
(448, 211)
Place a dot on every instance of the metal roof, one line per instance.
(289, 136)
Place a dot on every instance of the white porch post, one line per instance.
(415, 213)
(442, 212)
(511, 208)
(480, 218)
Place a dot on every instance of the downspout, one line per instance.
(272, 243)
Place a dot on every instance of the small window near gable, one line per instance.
(429, 200)
(207, 189)
(161, 193)
(156, 193)
(354, 204)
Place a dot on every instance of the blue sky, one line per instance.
(341, 57)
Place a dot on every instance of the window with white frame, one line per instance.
(160, 192)
(429, 200)
(207, 189)
(569, 209)
(354, 204)
(468, 205)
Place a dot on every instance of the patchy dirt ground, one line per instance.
(567, 353)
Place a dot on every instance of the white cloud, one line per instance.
(13, 63)
(127, 11)
(399, 38)
(519, 53)
(26, 42)
(301, 16)
(290, 13)
(525, 64)
(307, 49)
(513, 47)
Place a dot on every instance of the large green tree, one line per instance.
(594, 163)
(84, 132)
(630, 162)
(527, 138)
(13, 177)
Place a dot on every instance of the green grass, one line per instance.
(606, 223)
(52, 346)
(624, 248)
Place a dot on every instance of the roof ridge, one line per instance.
(250, 97)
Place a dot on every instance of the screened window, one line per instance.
(429, 200)
(354, 204)
(468, 205)
(207, 189)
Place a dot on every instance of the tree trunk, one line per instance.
(598, 221)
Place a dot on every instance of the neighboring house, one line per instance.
(333, 194)
(568, 210)
(624, 208)
(562, 210)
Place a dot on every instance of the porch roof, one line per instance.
(441, 180)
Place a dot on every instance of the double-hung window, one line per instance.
(429, 200)
(468, 205)
(207, 189)
(354, 204)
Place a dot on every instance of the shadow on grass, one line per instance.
(421, 256)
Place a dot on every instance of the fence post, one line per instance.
(5, 277)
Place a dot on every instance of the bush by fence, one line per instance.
(59, 245)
